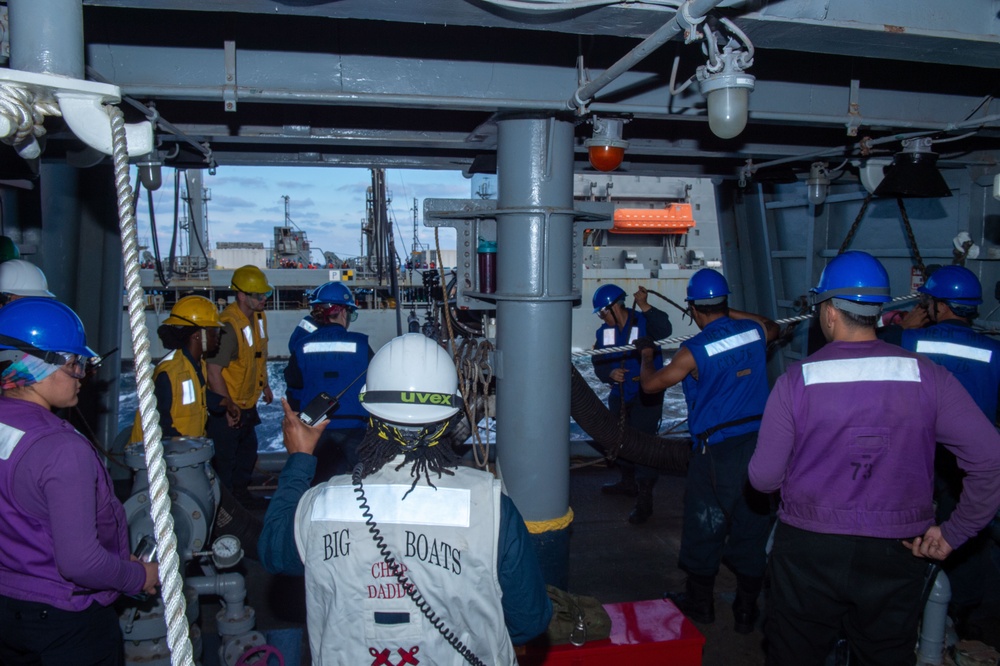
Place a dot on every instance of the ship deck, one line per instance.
(610, 560)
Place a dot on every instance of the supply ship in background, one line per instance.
(661, 231)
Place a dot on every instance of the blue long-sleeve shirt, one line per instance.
(526, 606)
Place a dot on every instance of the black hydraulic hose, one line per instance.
(664, 453)
(683, 309)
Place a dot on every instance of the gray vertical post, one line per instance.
(46, 36)
(534, 302)
(78, 231)
(197, 238)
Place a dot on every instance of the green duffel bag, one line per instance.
(576, 619)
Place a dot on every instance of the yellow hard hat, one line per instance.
(194, 311)
(250, 280)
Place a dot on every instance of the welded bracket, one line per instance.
(472, 218)
(26, 97)
(229, 91)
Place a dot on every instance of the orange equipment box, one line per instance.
(642, 632)
(676, 218)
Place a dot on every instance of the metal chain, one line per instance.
(475, 374)
(907, 227)
(467, 399)
(910, 236)
(159, 490)
(854, 227)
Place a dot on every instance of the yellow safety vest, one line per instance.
(188, 406)
(246, 376)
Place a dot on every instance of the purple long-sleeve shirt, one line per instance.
(64, 534)
(848, 436)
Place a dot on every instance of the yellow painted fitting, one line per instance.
(542, 526)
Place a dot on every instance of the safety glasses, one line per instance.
(76, 366)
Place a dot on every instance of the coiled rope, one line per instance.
(25, 113)
(666, 342)
(166, 542)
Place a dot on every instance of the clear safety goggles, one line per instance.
(76, 366)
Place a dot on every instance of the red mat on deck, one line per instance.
(653, 632)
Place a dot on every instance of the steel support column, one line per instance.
(534, 302)
(46, 36)
(78, 231)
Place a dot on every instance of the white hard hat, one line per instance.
(23, 278)
(411, 381)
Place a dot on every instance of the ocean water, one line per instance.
(269, 431)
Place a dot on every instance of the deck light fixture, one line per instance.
(606, 149)
(914, 172)
(818, 183)
(150, 171)
(726, 85)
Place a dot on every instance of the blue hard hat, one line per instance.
(333, 293)
(707, 284)
(954, 284)
(853, 276)
(606, 295)
(42, 324)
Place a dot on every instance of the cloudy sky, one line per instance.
(328, 203)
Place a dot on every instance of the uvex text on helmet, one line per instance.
(411, 381)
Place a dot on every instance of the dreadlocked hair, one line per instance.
(422, 450)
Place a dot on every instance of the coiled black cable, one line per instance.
(408, 585)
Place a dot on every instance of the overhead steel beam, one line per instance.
(170, 73)
(958, 32)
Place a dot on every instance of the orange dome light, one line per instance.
(606, 149)
(605, 158)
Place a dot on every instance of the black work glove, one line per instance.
(645, 342)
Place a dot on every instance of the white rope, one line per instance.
(25, 113)
(159, 490)
(666, 342)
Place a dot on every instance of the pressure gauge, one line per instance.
(226, 551)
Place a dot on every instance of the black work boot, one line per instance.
(745, 612)
(643, 504)
(625, 486)
(697, 601)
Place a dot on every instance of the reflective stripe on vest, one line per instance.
(246, 375)
(953, 349)
(732, 342)
(188, 401)
(9, 437)
(449, 507)
(877, 369)
(330, 346)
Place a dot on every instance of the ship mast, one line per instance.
(380, 257)
(196, 222)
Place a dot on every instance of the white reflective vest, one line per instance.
(446, 539)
